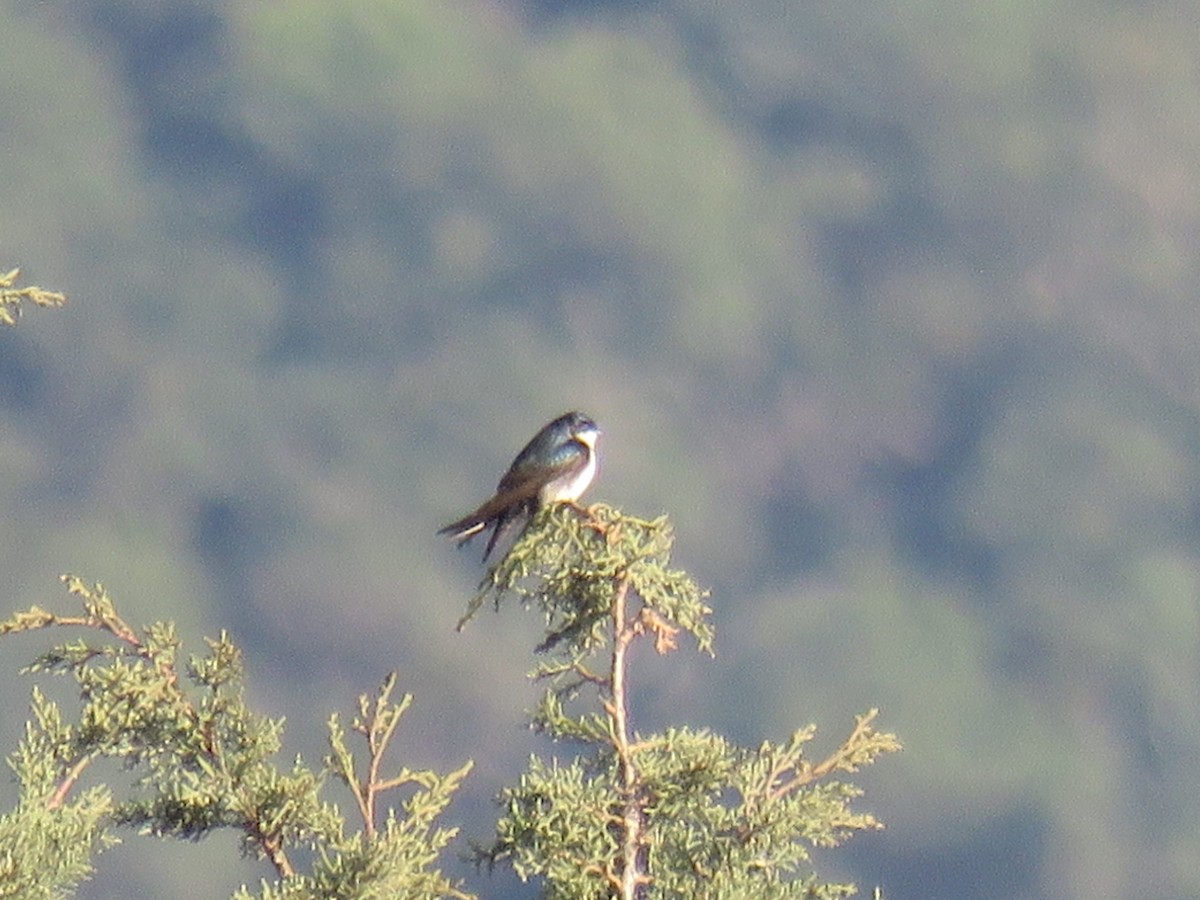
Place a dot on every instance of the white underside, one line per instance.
(570, 487)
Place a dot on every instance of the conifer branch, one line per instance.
(272, 847)
(378, 724)
(586, 675)
(203, 762)
(633, 816)
(682, 813)
(11, 297)
(59, 797)
(861, 746)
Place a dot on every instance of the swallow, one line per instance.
(555, 467)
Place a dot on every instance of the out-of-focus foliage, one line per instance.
(891, 304)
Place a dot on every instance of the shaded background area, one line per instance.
(891, 306)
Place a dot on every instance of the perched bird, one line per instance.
(555, 467)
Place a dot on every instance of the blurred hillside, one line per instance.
(891, 306)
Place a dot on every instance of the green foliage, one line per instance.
(47, 842)
(567, 565)
(202, 761)
(684, 813)
(11, 297)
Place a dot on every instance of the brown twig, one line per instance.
(807, 773)
(110, 622)
(378, 726)
(586, 674)
(59, 797)
(272, 846)
(365, 809)
(118, 628)
(624, 631)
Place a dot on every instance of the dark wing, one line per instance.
(508, 499)
(563, 461)
(498, 512)
(540, 463)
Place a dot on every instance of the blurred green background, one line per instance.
(892, 306)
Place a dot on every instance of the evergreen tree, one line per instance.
(203, 761)
(681, 813)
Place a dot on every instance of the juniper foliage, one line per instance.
(12, 298)
(681, 813)
(202, 761)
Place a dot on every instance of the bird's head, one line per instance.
(580, 427)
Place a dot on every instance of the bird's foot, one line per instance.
(592, 520)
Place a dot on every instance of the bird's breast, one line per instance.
(570, 486)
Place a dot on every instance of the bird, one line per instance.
(556, 466)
